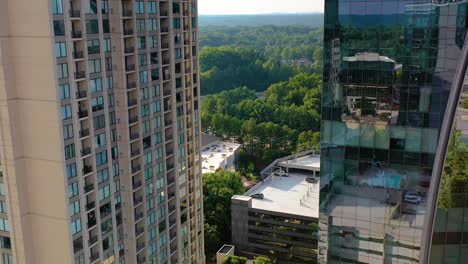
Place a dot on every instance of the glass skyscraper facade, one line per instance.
(388, 72)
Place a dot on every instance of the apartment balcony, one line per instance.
(90, 205)
(76, 34)
(133, 120)
(135, 153)
(84, 133)
(127, 13)
(75, 14)
(78, 55)
(129, 50)
(136, 169)
(139, 215)
(94, 257)
(130, 67)
(164, 30)
(80, 75)
(92, 240)
(136, 185)
(81, 94)
(87, 169)
(132, 102)
(88, 187)
(139, 231)
(137, 201)
(134, 136)
(131, 85)
(83, 113)
(141, 260)
(85, 152)
(140, 246)
(128, 32)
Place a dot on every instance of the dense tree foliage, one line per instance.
(315, 20)
(235, 260)
(262, 260)
(256, 57)
(286, 120)
(455, 175)
(218, 188)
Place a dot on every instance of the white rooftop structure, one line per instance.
(219, 155)
(286, 190)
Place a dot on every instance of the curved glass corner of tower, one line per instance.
(388, 71)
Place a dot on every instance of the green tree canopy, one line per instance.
(234, 260)
(262, 260)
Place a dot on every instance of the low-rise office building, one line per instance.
(217, 154)
(278, 217)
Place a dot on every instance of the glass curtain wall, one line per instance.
(388, 70)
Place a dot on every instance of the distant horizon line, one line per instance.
(263, 14)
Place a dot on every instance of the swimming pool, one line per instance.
(384, 180)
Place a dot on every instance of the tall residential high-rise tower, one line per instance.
(388, 79)
(100, 132)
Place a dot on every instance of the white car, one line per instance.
(413, 198)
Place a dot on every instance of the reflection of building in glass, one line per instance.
(278, 216)
(382, 113)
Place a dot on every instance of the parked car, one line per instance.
(257, 196)
(312, 180)
(411, 197)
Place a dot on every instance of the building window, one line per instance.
(110, 100)
(104, 192)
(143, 76)
(139, 7)
(109, 64)
(64, 91)
(94, 66)
(3, 207)
(155, 74)
(194, 22)
(152, 7)
(156, 107)
(141, 42)
(99, 122)
(140, 25)
(71, 171)
(97, 103)
(4, 225)
(73, 189)
(152, 25)
(60, 49)
(103, 175)
(156, 90)
(76, 226)
(154, 58)
(74, 208)
(57, 6)
(70, 151)
(62, 71)
(59, 28)
(110, 82)
(92, 27)
(68, 132)
(142, 60)
(105, 6)
(178, 53)
(107, 45)
(145, 110)
(153, 41)
(93, 46)
(176, 23)
(95, 85)
(101, 158)
(91, 6)
(100, 140)
(66, 112)
(105, 26)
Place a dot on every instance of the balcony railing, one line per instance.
(134, 136)
(87, 169)
(80, 75)
(90, 205)
(85, 151)
(136, 184)
(83, 113)
(164, 30)
(131, 85)
(127, 13)
(133, 119)
(138, 201)
(130, 67)
(129, 50)
(92, 240)
(136, 169)
(81, 94)
(135, 152)
(84, 132)
(75, 13)
(128, 31)
(76, 34)
(132, 102)
(78, 55)
(88, 187)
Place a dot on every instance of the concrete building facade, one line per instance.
(100, 132)
(283, 223)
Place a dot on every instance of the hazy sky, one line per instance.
(214, 7)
